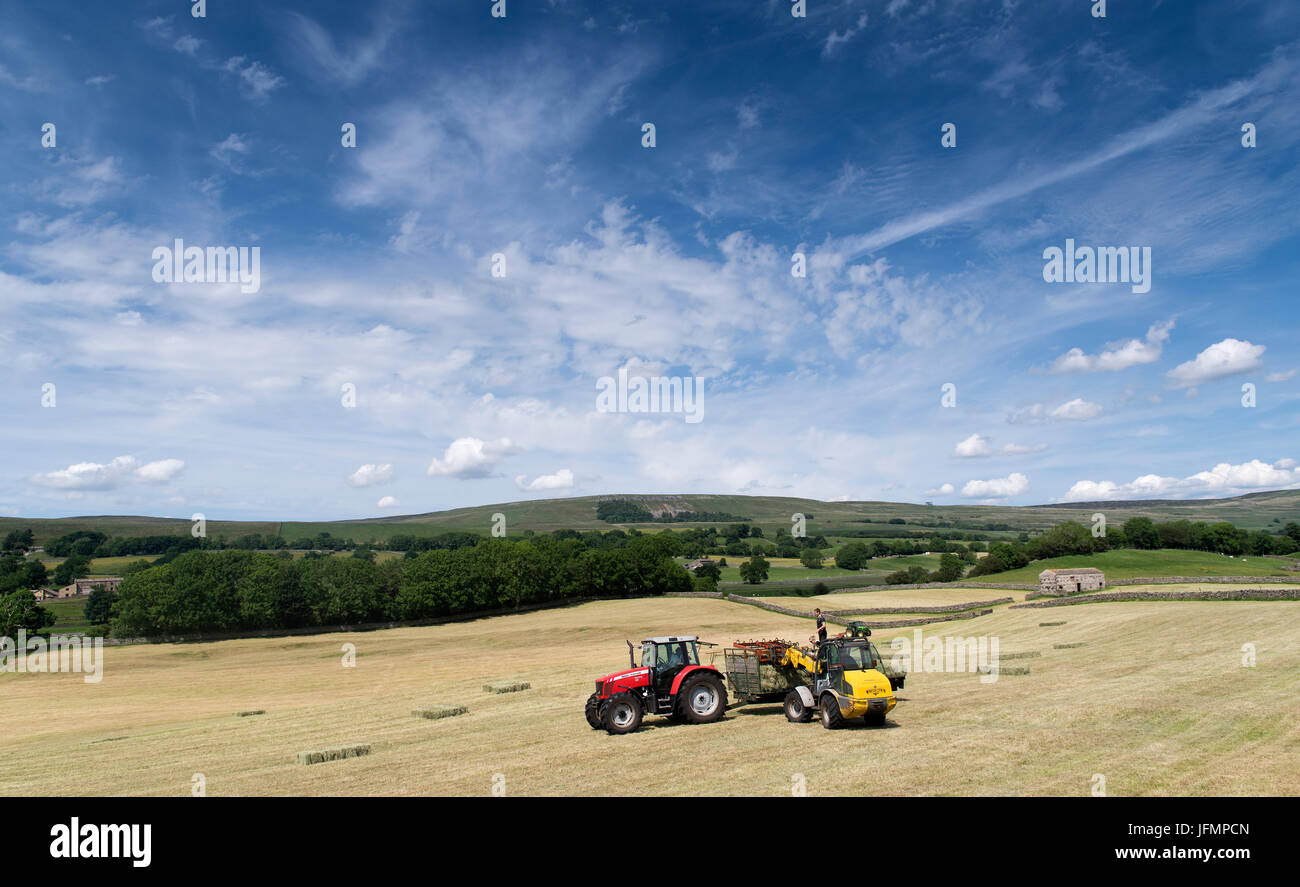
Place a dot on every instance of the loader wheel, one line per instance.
(795, 711)
(875, 720)
(831, 717)
(702, 699)
(622, 714)
(593, 711)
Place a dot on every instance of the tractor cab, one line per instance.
(667, 656)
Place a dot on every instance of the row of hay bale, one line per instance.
(1027, 654)
(435, 712)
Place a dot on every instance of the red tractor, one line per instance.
(669, 681)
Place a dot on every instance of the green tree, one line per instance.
(754, 570)
(75, 567)
(99, 606)
(1140, 532)
(950, 569)
(853, 556)
(19, 610)
(811, 558)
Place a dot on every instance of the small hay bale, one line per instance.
(506, 686)
(332, 754)
(1069, 646)
(250, 713)
(436, 712)
(1004, 669)
(1049, 624)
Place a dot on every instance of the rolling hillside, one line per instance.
(1254, 511)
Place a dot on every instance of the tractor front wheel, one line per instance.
(831, 717)
(702, 699)
(622, 714)
(593, 711)
(795, 711)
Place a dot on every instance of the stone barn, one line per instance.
(1071, 581)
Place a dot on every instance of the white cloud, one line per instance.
(1281, 377)
(370, 474)
(159, 472)
(835, 38)
(972, 448)
(101, 476)
(945, 490)
(187, 44)
(561, 480)
(1022, 449)
(388, 502)
(1224, 479)
(1226, 358)
(996, 488)
(256, 80)
(1117, 355)
(470, 457)
(1077, 409)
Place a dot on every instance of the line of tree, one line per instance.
(1072, 538)
(226, 591)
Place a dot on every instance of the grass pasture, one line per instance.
(1156, 700)
(1127, 563)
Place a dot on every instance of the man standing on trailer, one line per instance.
(821, 623)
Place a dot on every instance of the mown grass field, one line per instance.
(1157, 702)
(1131, 564)
(887, 596)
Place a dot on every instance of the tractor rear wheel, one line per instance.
(702, 699)
(593, 711)
(622, 714)
(831, 717)
(795, 711)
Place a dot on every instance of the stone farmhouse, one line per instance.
(86, 586)
(1071, 581)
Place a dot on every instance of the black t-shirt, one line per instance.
(821, 624)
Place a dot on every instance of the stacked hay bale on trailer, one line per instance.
(842, 678)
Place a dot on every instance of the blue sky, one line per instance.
(522, 137)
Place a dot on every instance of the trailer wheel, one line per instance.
(622, 714)
(831, 717)
(795, 711)
(702, 699)
(593, 711)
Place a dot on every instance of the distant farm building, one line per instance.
(86, 586)
(700, 562)
(1071, 581)
(44, 594)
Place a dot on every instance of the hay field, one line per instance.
(1156, 701)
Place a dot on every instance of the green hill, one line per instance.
(1254, 511)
